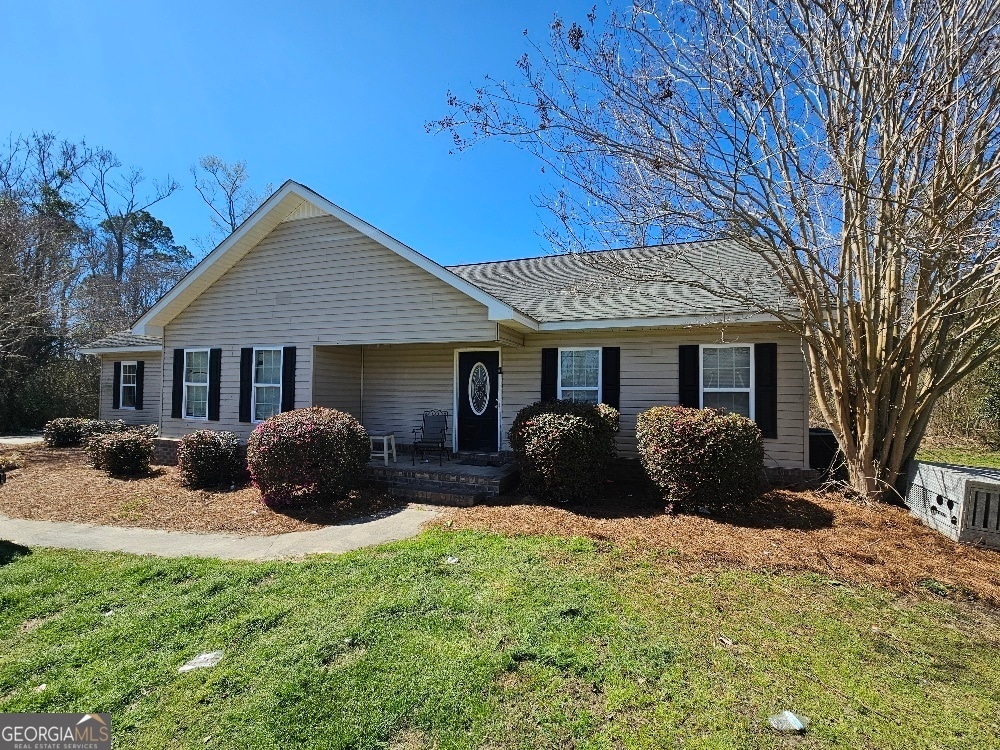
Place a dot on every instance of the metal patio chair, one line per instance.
(432, 435)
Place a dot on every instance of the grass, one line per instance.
(526, 642)
(961, 457)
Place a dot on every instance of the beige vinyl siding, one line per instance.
(402, 382)
(150, 411)
(649, 364)
(337, 378)
(317, 280)
(310, 282)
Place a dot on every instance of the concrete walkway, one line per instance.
(364, 532)
(20, 441)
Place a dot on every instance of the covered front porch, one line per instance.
(389, 387)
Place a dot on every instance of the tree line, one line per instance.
(82, 255)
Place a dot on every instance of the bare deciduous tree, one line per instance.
(120, 202)
(225, 190)
(852, 145)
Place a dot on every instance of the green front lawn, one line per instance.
(961, 457)
(524, 643)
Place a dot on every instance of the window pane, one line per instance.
(580, 369)
(726, 367)
(581, 395)
(128, 374)
(738, 402)
(267, 367)
(741, 367)
(128, 396)
(267, 402)
(196, 401)
(196, 367)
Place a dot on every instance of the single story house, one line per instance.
(306, 304)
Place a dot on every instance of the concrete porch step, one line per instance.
(420, 492)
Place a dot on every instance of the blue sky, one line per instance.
(332, 94)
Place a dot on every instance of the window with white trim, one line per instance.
(266, 383)
(580, 375)
(195, 384)
(727, 378)
(126, 394)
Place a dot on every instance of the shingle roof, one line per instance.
(685, 279)
(123, 340)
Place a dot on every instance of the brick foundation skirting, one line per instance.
(165, 451)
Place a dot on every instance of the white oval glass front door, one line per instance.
(479, 389)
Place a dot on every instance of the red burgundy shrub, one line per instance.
(122, 454)
(564, 449)
(701, 456)
(206, 458)
(307, 455)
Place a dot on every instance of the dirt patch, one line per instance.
(58, 484)
(802, 531)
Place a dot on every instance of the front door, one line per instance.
(478, 401)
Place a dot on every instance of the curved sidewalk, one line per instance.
(363, 532)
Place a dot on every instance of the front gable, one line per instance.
(299, 229)
(315, 278)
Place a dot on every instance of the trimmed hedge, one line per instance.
(126, 454)
(207, 458)
(69, 431)
(309, 455)
(701, 456)
(564, 449)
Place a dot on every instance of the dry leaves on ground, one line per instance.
(58, 484)
(784, 530)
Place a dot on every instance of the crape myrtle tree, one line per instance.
(851, 145)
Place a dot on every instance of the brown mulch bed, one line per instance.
(58, 484)
(784, 530)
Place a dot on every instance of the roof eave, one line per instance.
(671, 321)
(121, 349)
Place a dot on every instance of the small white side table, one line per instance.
(387, 446)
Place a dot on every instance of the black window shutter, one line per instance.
(140, 372)
(177, 395)
(214, 383)
(766, 389)
(246, 382)
(689, 375)
(116, 386)
(288, 378)
(550, 373)
(611, 374)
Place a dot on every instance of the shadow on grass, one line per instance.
(9, 551)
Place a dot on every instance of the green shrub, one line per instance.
(125, 454)
(564, 449)
(307, 455)
(64, 431)
(209, 459)
(701, 456)
(69, 431)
